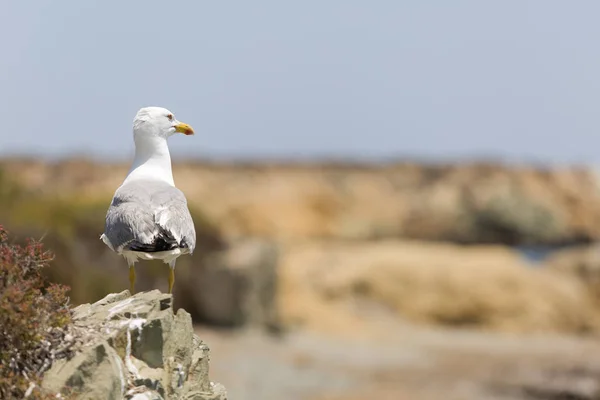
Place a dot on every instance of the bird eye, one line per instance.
(170, 116)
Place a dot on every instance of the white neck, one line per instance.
(152, 160)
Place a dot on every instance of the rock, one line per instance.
(134, 347)
(93, 374)
(236, 286)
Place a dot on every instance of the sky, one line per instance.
(512, 80)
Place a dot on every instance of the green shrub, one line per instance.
(34, 315)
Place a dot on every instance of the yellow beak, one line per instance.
(184, 128)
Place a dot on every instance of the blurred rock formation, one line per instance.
(339, 285)
(236, 286)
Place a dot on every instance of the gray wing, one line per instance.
(149, 216)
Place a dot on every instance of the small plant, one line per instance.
(34, 315)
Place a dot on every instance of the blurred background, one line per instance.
(393, 200)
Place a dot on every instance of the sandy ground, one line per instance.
(403, 362)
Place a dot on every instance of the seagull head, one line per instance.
(158, 122)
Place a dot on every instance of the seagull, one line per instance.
(148, 217)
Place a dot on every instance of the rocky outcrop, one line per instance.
(134, 347)
(467, 203)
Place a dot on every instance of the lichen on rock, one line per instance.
(135, 347)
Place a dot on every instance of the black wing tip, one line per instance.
(164, 241)
(156, 246)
